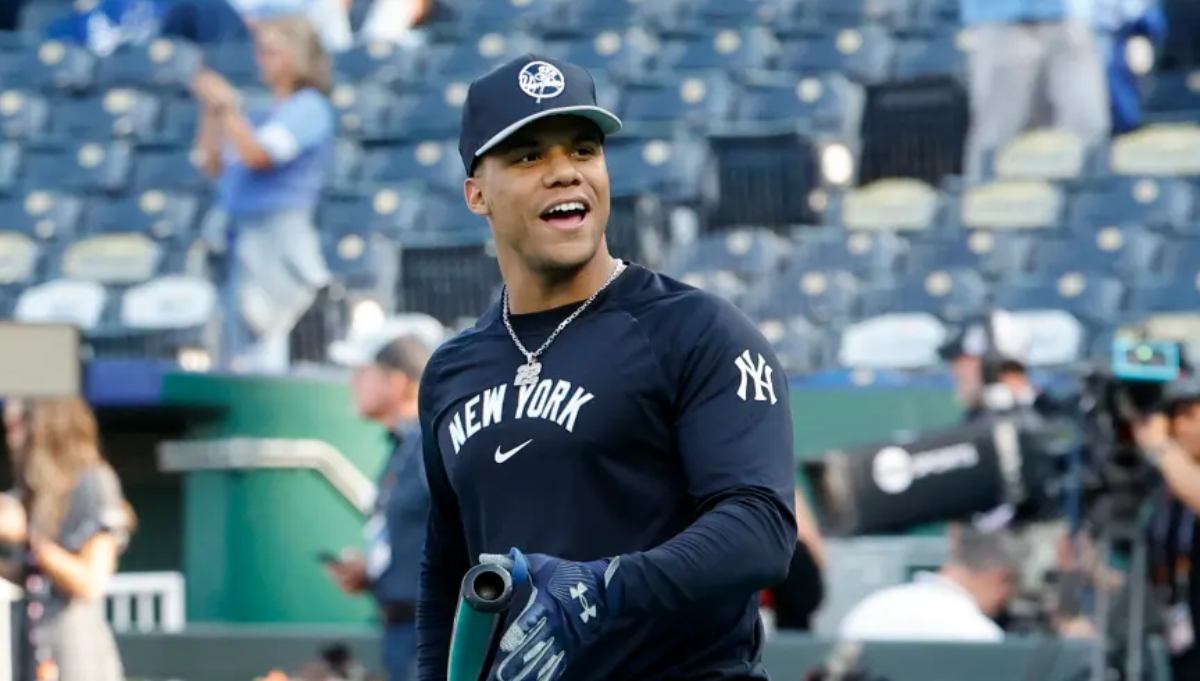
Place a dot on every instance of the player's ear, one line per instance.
(473, 193)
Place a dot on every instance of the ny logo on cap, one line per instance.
(541, 80)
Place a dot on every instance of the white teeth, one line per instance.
(567, 207)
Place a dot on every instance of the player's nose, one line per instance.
(561, 170)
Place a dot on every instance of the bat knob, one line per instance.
(488, 588)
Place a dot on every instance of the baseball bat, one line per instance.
(487, 590)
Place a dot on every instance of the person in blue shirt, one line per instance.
(387, 364)
(1024, 55)
(620, 437)
(270, 167)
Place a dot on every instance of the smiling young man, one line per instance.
(621, 438)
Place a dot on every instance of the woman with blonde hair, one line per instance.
(270, 167)
(78, 523)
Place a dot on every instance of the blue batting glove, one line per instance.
(569, 605)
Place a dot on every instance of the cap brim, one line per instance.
(603, 118)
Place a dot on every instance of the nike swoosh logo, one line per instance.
(502, 456)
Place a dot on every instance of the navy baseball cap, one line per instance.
(520, 92)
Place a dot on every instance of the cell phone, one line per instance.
(328, 558)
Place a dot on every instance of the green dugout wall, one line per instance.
(282, 469)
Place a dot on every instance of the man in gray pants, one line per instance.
(1026, 54)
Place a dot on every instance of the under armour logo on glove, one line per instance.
(568, 605)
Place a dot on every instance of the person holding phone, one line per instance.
(387, 364)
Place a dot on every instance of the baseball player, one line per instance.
(623, 439)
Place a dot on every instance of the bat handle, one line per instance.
(487, 590)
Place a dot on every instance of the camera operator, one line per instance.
(1171, 441)
(988, 364)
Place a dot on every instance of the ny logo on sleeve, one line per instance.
(759, 374)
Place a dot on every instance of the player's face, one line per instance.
(370, 387)
(545, 193)
(1185, 428)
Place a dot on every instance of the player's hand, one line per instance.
(569, 605)
(350, 573)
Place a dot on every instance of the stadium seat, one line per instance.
(952, 295)
(169, 169)
(676, 170)
(1011, 204)
(586, 18)
(933, 15)
(234, 60)
(367, 112)
(117, 114)
(380, 63)
(871, 256)
(387, 211)
(828, 298)
(44, 215)
(10, 167)
(1178, 295)
(1180, 258)
(343, 173)
(799, 345)
(360, 259)
(1172, 96)
(506, 16)
(432, 164)
(893, 341)
(681, 16)
(469, 58)
(453, 283)
(637, 228)
(943, 54)
(114, 259)
(893, 205)
(178, 122)
(765, 179)
(1156, 203)
(170, 303)
(161, 215)
(20, 257)
(446, 219)
(85, 167)
(1045, 154)
(722, 50)
(863, 53)
(993, 254)
(51, 65)
(1163, 150)
(930, 115)
(23, 115)
(651, 106)
(748, 254)
(1093, 299)
(805, 16)
(161, 64)
(1131, 253)
(62, 301)
(431, 114)
(828, 104)
(610, 52)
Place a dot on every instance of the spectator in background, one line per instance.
(270, 166)
(387, 364)
(1118, 24)
(957, 603)
(1026, 51)
(78, 524)
(216, 21)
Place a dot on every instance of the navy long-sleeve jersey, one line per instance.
(659, 431)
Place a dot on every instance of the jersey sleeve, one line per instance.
(445, 560)
(734, 432)
(299, 124)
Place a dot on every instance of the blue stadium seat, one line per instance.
(829, 298)
(235, 61)
(360, 259)
(953, 295)
(1009, 205)
(1172, 96)
(432, 113)
(163, 215)
(432, 164)
(765, 179)
(161, 64)
(1096, 300)
(506, 16)
(1156, 203)
(607, 52)
(661, 104)
(343, 172)
(367, 112)
(806, 16)
(116, 114)
(933, 15)
(676, 16)
(994, 254)
(391, 212)
(750, 254)
(863, 53)
(454, 283)
(1179, 294)
(799, 345)
(1180, 258)
(80, 303)
(873, 257)
(1131, 253)
(23, 115)
(44, 215)
(893, 205)
(169, 169)
(10, 166)
(84, 167)
(179, 118)
(942, 54)
(586, 18)
(377, 63)
(722, 50)
(468, 59)
(51, 65)
(819, 104)
(674, 170)
(637, 227)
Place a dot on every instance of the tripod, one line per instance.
(1121, 527)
